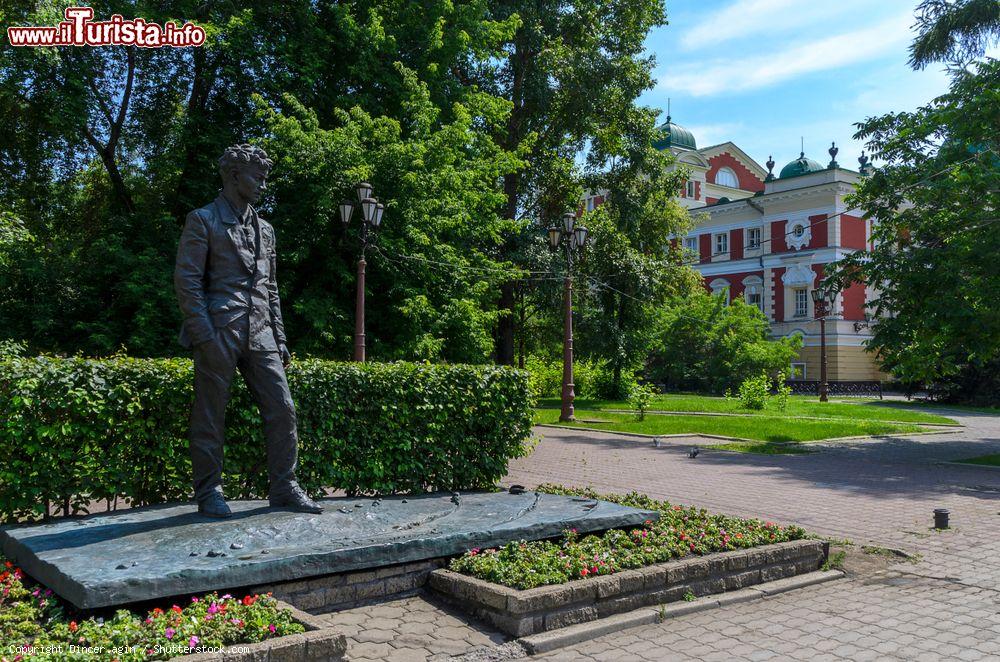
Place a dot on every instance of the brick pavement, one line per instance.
(946, 605)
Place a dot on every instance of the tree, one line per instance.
(954, 31)
(705, 344)
(569, 69)
(935, 229)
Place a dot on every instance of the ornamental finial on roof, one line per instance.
(770, 169)
(833, 151)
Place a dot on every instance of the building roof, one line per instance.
(675, 136)
(800, 166)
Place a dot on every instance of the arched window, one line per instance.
(720, 286)
(726, 177)
(753, 291)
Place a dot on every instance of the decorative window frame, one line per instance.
(798, 313)
(747, 244)
(716, 236)
(691, 244)
(720, 286)
(794, 238)
(754, 285)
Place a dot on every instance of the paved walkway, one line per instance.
(945, 605)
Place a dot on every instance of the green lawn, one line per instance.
(759, 428)
(987, 460)
(798, 405)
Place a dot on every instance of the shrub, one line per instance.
(78, 430)
(591, 378)
(708, 345)
(783, 392)
(679, 532)
(753, 392)
(30, 615)
(639, 399)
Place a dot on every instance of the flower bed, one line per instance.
(679, 532)
(35, 625)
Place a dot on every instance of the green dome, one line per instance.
(800, 166)
(676, 136)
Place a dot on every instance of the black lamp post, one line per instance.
(573, 237)
(823, 298)
(371, 219)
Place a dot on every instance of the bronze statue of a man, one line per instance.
(225, 283)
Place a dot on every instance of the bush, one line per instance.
(679, 532)
(708, 345)
(639, 399)
(31, 616)
(78, 430)
(753, 392)
(783, 391)
(591, 379)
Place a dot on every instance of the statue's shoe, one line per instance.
(214, 506)
(296, 500)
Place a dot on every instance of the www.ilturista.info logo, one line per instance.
(79, 30)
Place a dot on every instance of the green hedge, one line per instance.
(75, 430)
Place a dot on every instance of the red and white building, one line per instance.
(767, 239)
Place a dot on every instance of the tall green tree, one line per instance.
(569, 69)
(936, 232)
(954, 31)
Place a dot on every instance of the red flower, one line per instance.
(176, 609)
(8, 565)
(584, 572)
(157, 612)
(73, 626)
(247, 600)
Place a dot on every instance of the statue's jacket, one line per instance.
(218, 280)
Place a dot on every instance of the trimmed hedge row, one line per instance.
(75, 430)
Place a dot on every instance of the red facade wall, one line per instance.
(736, 286)
(711, 201)
(748, 181)
(705, 247)
(736, 244)
(819, 231)
(778, 288)
(854, 301)
(778, 244)
(852, 232)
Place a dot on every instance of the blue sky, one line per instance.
(762, 73)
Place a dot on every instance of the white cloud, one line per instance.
(749, 73)
(761, 19)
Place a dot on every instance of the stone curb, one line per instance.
(669, 412)
(574, 634)
(318, 642)
(697, 435)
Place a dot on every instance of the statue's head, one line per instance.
(244, 170)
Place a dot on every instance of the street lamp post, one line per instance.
(573, 237)
(823, 298)
(371, 219)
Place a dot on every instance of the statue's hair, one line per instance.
(239, 156)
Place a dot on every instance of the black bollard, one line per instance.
(941, 518)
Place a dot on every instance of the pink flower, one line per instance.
(193, 641)
(194, 598)
(169, 633)
(227, 597)
(272, 628)
(213, 608)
